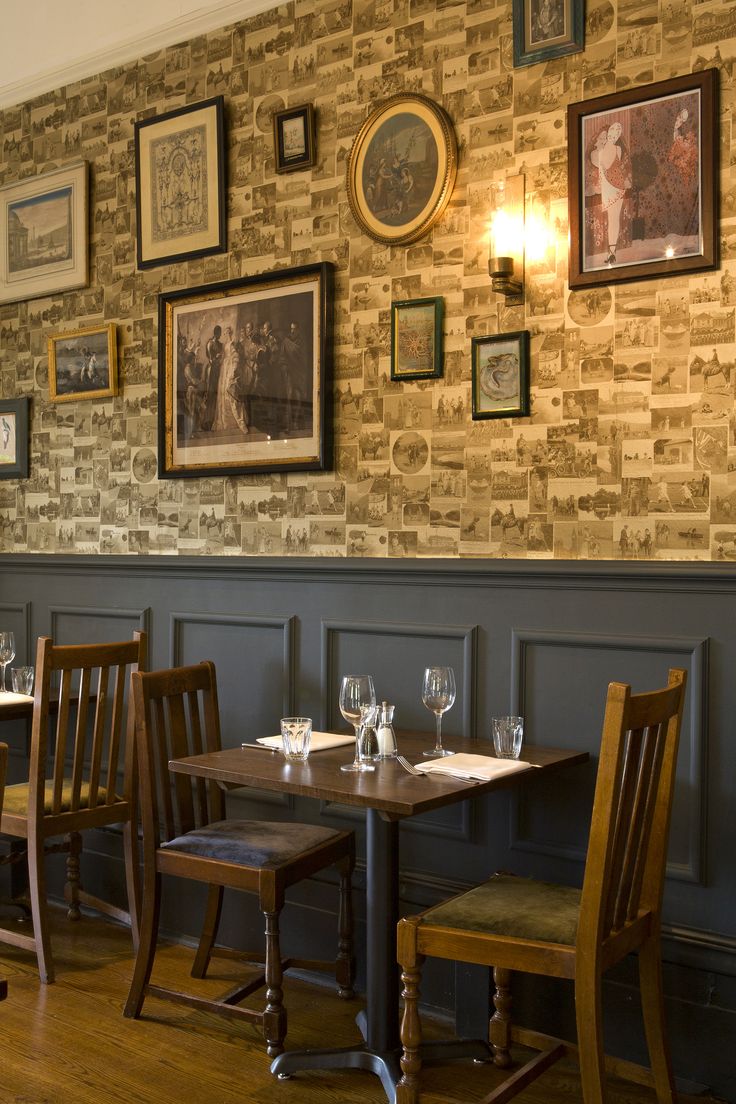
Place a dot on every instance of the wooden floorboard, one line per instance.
(68, 1043)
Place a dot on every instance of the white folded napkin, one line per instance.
(320, 741)
(482, 767)
(9, 698)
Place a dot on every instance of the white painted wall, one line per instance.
(47, 43)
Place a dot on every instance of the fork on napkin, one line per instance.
(320, 741)
(482, 768)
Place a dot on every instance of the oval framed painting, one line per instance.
(402, 169)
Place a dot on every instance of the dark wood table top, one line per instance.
(389, 788)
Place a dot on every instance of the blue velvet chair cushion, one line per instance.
(251, 842)
(506, 905)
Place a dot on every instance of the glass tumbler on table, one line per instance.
(22, 680)
(438, 694)
(7, 652)
(358, 706)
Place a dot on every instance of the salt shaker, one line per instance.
(385, 731)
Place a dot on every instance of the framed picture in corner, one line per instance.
(181, 197)
(14, 438)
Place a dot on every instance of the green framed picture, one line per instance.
(500, 371)
(416, 338)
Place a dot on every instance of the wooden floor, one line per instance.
(68, 1043)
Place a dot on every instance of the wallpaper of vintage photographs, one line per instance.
(630, 450)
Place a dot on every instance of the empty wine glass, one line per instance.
(358, 706)
(438, 694)
(7, 652)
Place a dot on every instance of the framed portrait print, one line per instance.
(416, 339)
(546, 29)
(14, 438)
(643, 181)
(500, 375)
(401, 169)
(181, 198)
(83, 364)
(294, 138)
(43, 234)
(242, 368)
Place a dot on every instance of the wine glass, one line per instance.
(7, 652)
(358, 706)
(438, 694)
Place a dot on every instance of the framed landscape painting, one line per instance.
(402, 169)
(83, 364)
(546, 29)
(242, 368)
(416, 339)
(14, 438)
(500, 375)
(43, 234)
(643, 181)
(181, 196)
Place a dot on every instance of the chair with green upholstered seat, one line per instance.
(81, 777)
(514, 923)
(185, 834)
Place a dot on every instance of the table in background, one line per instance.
(389, 794)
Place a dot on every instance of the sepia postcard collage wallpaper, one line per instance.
(630, 448)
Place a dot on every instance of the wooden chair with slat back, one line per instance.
(3, 773)
(557, 931)
(74, 779)
(185, 834)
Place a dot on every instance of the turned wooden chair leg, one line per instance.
(407, 1090)
(274, 1015)
(652, 1001)
(132, 879)
(39, 914)
(499, 1030)
(589, 1017)
(150, 910)
(71, 889)
(345, 962)
(212, 914)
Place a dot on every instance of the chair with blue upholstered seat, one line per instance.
(185, 834)
(519, 924)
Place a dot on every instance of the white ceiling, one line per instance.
(45, 44)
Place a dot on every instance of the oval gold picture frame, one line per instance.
(402, 169)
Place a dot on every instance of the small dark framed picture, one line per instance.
(643, 181)
(14, 438)
(181, 196)
(295, 138)
(83, 364)
(546, 29)
(501, 375)
(416, 339)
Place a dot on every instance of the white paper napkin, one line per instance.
(482, 767)
(320, 741)
(10, 698)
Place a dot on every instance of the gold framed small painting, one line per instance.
(83, 364)
(402, 169)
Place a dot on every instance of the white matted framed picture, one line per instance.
(83, 364)
(43, 234)
(181, 198)
(14, 438)
(294, 138)
(500, 375)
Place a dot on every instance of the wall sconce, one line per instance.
(506, 255)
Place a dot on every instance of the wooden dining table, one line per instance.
(389, 795)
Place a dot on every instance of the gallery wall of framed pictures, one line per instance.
(310, 138)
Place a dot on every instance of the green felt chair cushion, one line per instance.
(16, 798)
(520, 907)
(251, 842)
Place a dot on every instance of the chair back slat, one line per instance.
(3, 772)
(624, 870)
(85, 756)
(116, 732)
(176, 716)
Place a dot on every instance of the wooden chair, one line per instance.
(74, 780)
(177, 715)
(519, 924)
(3, 772)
